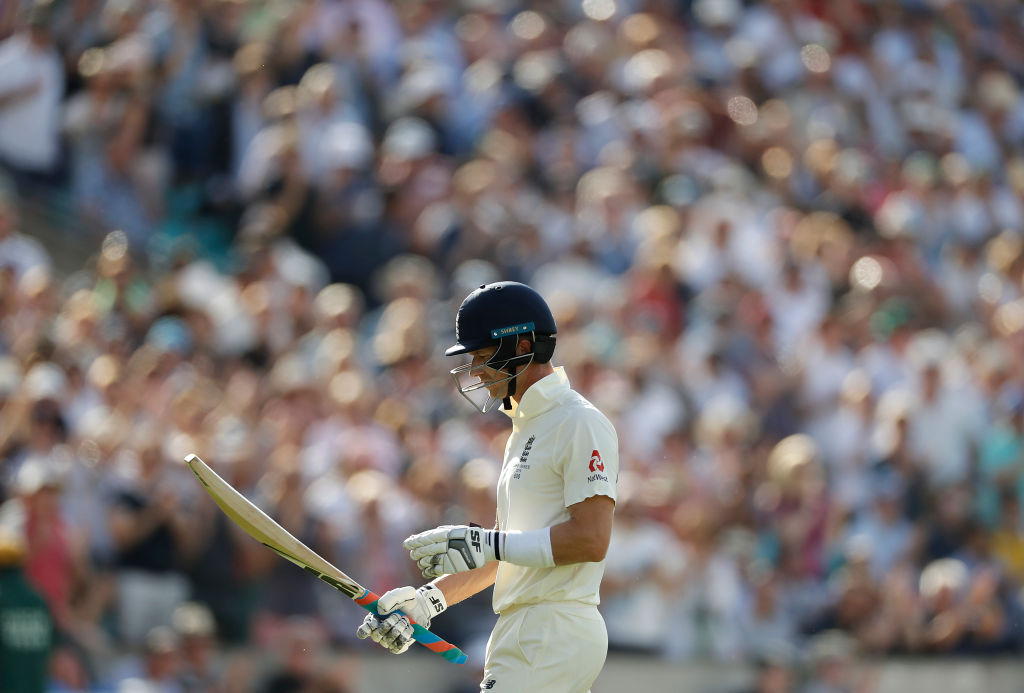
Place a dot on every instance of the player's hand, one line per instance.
(392, 628)
(452, 549)
(394, 633)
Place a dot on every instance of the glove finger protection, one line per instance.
(367, 627)
(431, 536)
(393, 633)
(396, 634)
(428, 550)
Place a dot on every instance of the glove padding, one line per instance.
(392, 629)
(394, 633)
(453, 549)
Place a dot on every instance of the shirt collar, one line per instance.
(540, 396)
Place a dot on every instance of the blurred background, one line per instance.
(783, 241)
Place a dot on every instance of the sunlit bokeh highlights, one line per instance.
(866, 274)
(599, 10)
(777, 162)
(528, 25)
(742, 110)
(815, 58)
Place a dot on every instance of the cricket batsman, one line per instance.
(556, 497)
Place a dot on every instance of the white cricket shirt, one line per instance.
(562, 450)
(30, 125)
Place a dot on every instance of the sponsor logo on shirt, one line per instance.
(489, 684)
(596, 466)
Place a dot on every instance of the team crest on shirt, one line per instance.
(521, 465)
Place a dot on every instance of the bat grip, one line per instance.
(420, 634)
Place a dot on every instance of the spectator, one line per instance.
(999, 474)
(1008, 541)
(639, 579)
(158, 667)
(769, 627)
(706, 614)
(50, 563)
(24, 651)
(68, 673)
(843, 434)
(194, 625)
(772, 675)
(796, 503)
(882, 531)
(297, 665)
(282, 496)
(832, 667)
(962, 614)
(30, 98)
(115, 177)
(153, 534)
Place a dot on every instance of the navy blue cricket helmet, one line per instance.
(499, 315)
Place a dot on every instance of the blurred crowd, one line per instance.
(783, 242)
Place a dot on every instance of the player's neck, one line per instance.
(530, 375)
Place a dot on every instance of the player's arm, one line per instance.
(454, 550)
(460, 586)
(584, 537)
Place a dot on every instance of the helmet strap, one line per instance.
(507, 351)
(507, 401)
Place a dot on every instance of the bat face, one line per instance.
(260, 527)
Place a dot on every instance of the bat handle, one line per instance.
(423, 636)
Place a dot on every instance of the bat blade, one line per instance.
(265, 530)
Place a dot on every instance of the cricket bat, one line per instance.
(260, 527)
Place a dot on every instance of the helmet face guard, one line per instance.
(503, 366)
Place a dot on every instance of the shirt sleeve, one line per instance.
(591, 458)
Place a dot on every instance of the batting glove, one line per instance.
(392, 629)
(453, 549)
(394, 633)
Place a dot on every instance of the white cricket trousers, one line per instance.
(553, 647)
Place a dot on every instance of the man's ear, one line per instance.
(525, 346)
